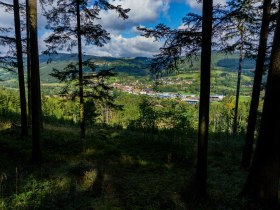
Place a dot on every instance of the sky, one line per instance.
(126, 41)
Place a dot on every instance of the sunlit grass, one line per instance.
(127, 170)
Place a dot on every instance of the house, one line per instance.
(216, 97)
(192, 101)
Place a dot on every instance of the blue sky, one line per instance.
(172, 18)
(176, 12)
(126, 41)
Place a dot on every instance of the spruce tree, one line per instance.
(252, 119)
(35, 83)
(66, 35)
(24, 127)
(262, 184)
(238, 31)
(9, 62)
(181, 45)
(205, 69)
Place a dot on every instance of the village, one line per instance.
(138, 88)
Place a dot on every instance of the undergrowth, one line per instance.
(115, 169)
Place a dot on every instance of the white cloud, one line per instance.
(182, 26)
(41, 43)
(120, 46)
(136, 31)
(140, 11)
(144, 10)
(195, 5)
(41, 21)
(6, 18)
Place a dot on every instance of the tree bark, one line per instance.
(24, 127)
(35, 83)
(201, 169)
(28, 66)
(106, 114)
(249, 140)
(263, 180)
(235, 123)
(81, 85)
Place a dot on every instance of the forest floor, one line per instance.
(115, 169)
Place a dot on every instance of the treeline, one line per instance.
(134, 112)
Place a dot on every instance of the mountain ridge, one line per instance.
(135, 66)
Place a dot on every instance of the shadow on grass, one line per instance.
(117, 169)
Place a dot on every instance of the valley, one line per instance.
(132, 75)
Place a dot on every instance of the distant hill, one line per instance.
(137, 66)
(233, 63)
(221, 61)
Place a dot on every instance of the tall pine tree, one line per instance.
(263, 180)
(24, 127)
(35, 83)
(66, 35)
(238, 31)
(205, 69)
(15, 44)
(252, 119)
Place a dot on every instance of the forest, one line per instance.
(184, 116)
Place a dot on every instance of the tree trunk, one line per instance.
(35, 83)
(263, 180)
(106, 114)
(28, 66)
(201, 170)
(24, 127)
(235, 124)
(81, 86)
(249, 141)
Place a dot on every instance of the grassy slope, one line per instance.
(221, 82)
(115, 169)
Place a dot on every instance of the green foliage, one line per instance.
(221, 115)
(137, 112)
(148, 115)
(181, 116)
(9, 104)
(60, 110)
(117, 167)
(177, 118)
(33, 191)
(128, 170)
(130, 111)
(90, 112)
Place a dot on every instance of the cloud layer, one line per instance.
(126, 47)
(140, 11)
(125, 39)
(195, 5)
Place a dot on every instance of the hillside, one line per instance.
(133, 66)
(123, 163)
(137, 66)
